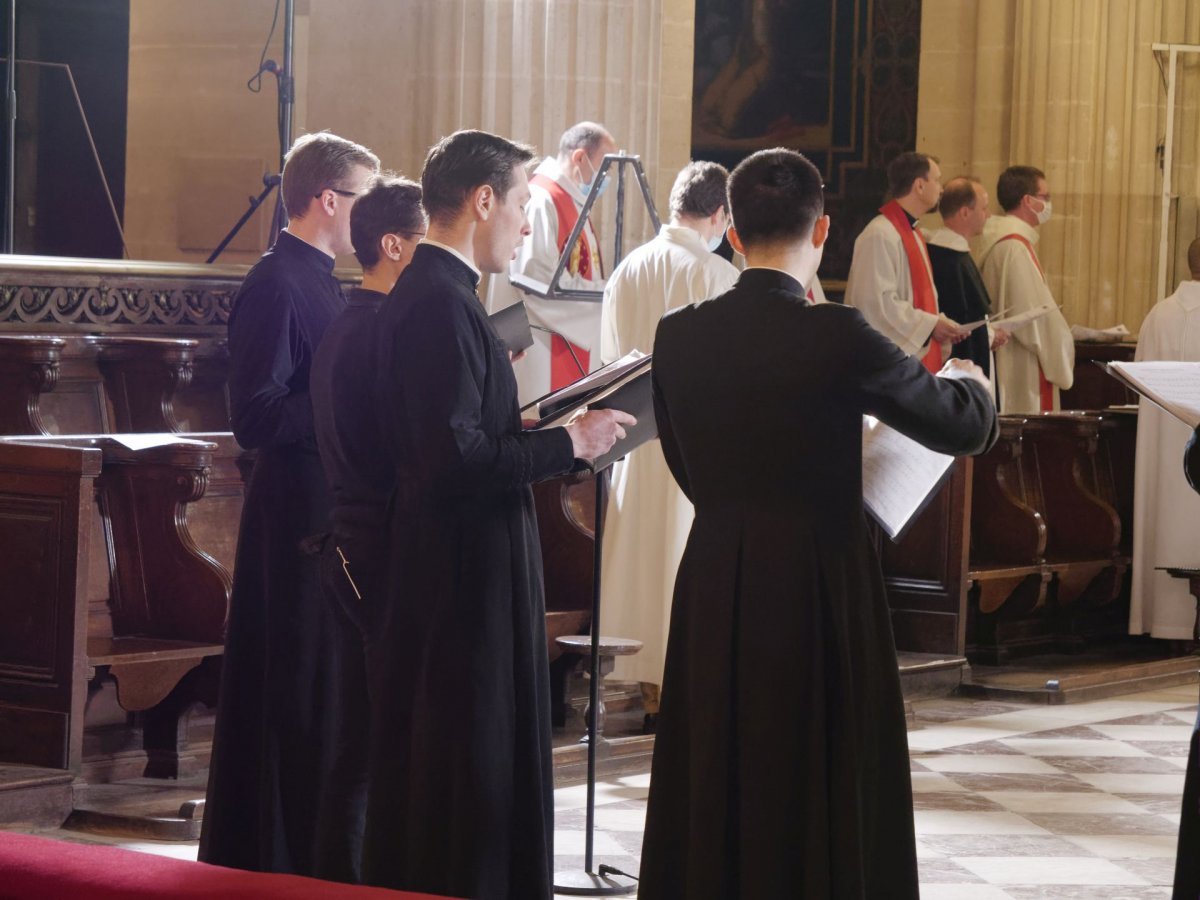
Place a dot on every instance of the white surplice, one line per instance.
(1166, 511)
(576, 320)
(880, 287)
(648, 515)
(1015, 284)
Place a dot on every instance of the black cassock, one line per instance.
(461, 795)
(1187, 855)
(781, 759)
(962, 297)
(277, 718)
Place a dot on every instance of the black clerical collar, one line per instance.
(912, 220)
(757, 278)
(429, 251)
(290, 245)
(360, 296)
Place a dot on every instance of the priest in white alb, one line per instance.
(890, 279)
(1039, 361)
(569, 345)
(1166, 512)
(648, 515)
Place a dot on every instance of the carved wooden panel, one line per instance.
(32, 574)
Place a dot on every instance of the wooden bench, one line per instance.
(111, 604)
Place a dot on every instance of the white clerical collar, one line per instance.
(951, 240)
(466, 262)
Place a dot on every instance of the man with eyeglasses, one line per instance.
(567, 332)
(277, 716)
(1039, 360)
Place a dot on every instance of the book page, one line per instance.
(146, 440)
(1022, 318)
(563, 397)
(1175, 386)
(898, 474)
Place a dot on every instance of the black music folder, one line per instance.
(623, 385)
(512, 327)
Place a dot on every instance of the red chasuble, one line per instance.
(924, 296)
(1046, 389)
(563, 369)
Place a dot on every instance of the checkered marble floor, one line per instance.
(1012, 802)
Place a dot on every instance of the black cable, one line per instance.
(255, 83)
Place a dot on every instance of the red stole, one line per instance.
(924, 296)
(563, 369)
(1045, 388)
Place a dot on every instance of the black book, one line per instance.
(512, 327)
(624, 385)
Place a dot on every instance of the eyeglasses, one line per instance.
(336, 191)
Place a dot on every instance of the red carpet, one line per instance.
(35, 868)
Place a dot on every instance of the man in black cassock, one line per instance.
(461, 790)
(781, 759)
(385, 225)
(277, 718)
(961, 293)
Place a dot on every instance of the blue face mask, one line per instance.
(586, 187)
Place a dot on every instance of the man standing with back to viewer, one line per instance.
(278, 716)
(759, 400)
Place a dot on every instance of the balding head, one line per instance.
(1194, 259)
(582, 149)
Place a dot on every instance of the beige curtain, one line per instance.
(399, 75)
(1070, 86)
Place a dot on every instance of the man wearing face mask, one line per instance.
(1039, 361)
(648, 515)
(558, 188)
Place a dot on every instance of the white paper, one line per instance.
(971, 326)
(1022, 318)
(1175, 386)
(898, 474)
(144, 441)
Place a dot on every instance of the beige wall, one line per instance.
(1070, 86)
(395, 76)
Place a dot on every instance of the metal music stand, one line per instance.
(552, 291)
(608, 882)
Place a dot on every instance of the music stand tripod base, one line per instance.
(585, 884)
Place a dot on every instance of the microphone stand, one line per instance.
(285, 92)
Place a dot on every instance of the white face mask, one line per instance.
(715, 241)
(1044, 216)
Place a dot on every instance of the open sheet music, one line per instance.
(1008, 323)
(623, 385)
(1175, 386)
(899, 475)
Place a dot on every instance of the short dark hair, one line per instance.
(700, 190)
(586, 136)
(392, 205)
(1015, 182)
(1193, 258)
(775, 196)
(958, 193)
(458, 164)
(904, 170)
(316, 162)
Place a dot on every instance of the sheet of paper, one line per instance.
(147, 440)
(564, 397)
(898, 474)
(1175, 386)
(971, 326)
(1022, 318)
